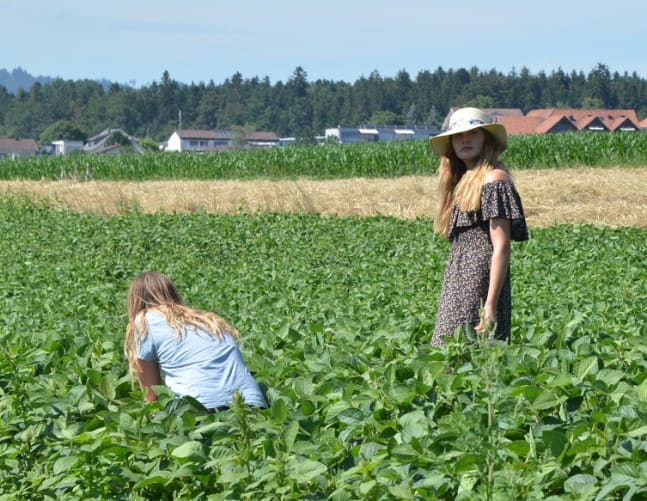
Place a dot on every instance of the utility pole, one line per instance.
(179, 118)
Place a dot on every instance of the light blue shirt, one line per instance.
(199, 364)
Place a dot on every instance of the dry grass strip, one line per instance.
(610, 197)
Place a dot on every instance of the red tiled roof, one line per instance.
(586, 122)
(544, 113)
(12, 145)
(623, 123)
(519, 125)
(576, 115)
(551, 123)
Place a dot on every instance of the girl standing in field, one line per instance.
(194, 351)
(479, 212)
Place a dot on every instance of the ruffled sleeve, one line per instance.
(500, 199)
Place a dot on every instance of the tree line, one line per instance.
(298, 107)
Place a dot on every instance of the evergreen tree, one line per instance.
(304, 109)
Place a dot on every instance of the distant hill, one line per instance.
(18, 78)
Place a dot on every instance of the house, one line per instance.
(536, 125)
(643, 124)
(198, 140)
(402, 133)
(262, 139)
(65, 146)
(201, 141)
(17, 148)
(554, 125)
(99, 143)
(593, 119)
(556, 120)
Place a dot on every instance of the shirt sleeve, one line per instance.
(501, 200)
(146, 348)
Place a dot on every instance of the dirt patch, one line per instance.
(611, 197)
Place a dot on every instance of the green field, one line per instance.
(336, 316)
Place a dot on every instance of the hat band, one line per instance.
(462, 123)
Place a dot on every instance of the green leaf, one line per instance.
(64, 464)
(189, 450)
(554, 441)
(466, 463)
(334, 409)
(351, 416)
(279, 411)
(641, 389)
(610, 376)
(635, 433)
(414, 424)
(366, 487)
(579, 483)
(519, 447)
(404, 452)
(289, 434)
(546, 400)
(585, 367)
(303, 470)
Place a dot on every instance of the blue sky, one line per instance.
(133, 41)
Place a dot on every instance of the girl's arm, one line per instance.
(149, 376)
(500, 230)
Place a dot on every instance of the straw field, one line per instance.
(615, 196)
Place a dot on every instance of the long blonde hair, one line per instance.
(461, 186)
(155, 291)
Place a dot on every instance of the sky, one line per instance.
(135, 41)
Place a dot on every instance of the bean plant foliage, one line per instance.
(336, 316)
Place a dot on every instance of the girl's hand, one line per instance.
(488, 319)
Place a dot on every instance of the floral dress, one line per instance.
(467, 274)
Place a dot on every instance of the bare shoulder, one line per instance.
(499, 173)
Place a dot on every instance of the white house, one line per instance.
(198, 140)
(65, 147)
(209, 140)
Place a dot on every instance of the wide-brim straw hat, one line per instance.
(466, 119)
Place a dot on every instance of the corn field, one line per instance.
(330, 161)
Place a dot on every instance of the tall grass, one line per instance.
(331, 161)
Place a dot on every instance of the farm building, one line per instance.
(65, 147)
(17, 148)
(198, 140)
(601, 120)
(209, 140)
(381, 134)
(555, 120)
(99, 143)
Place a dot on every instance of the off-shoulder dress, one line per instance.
(467, 274)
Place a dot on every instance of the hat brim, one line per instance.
(441, 143)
